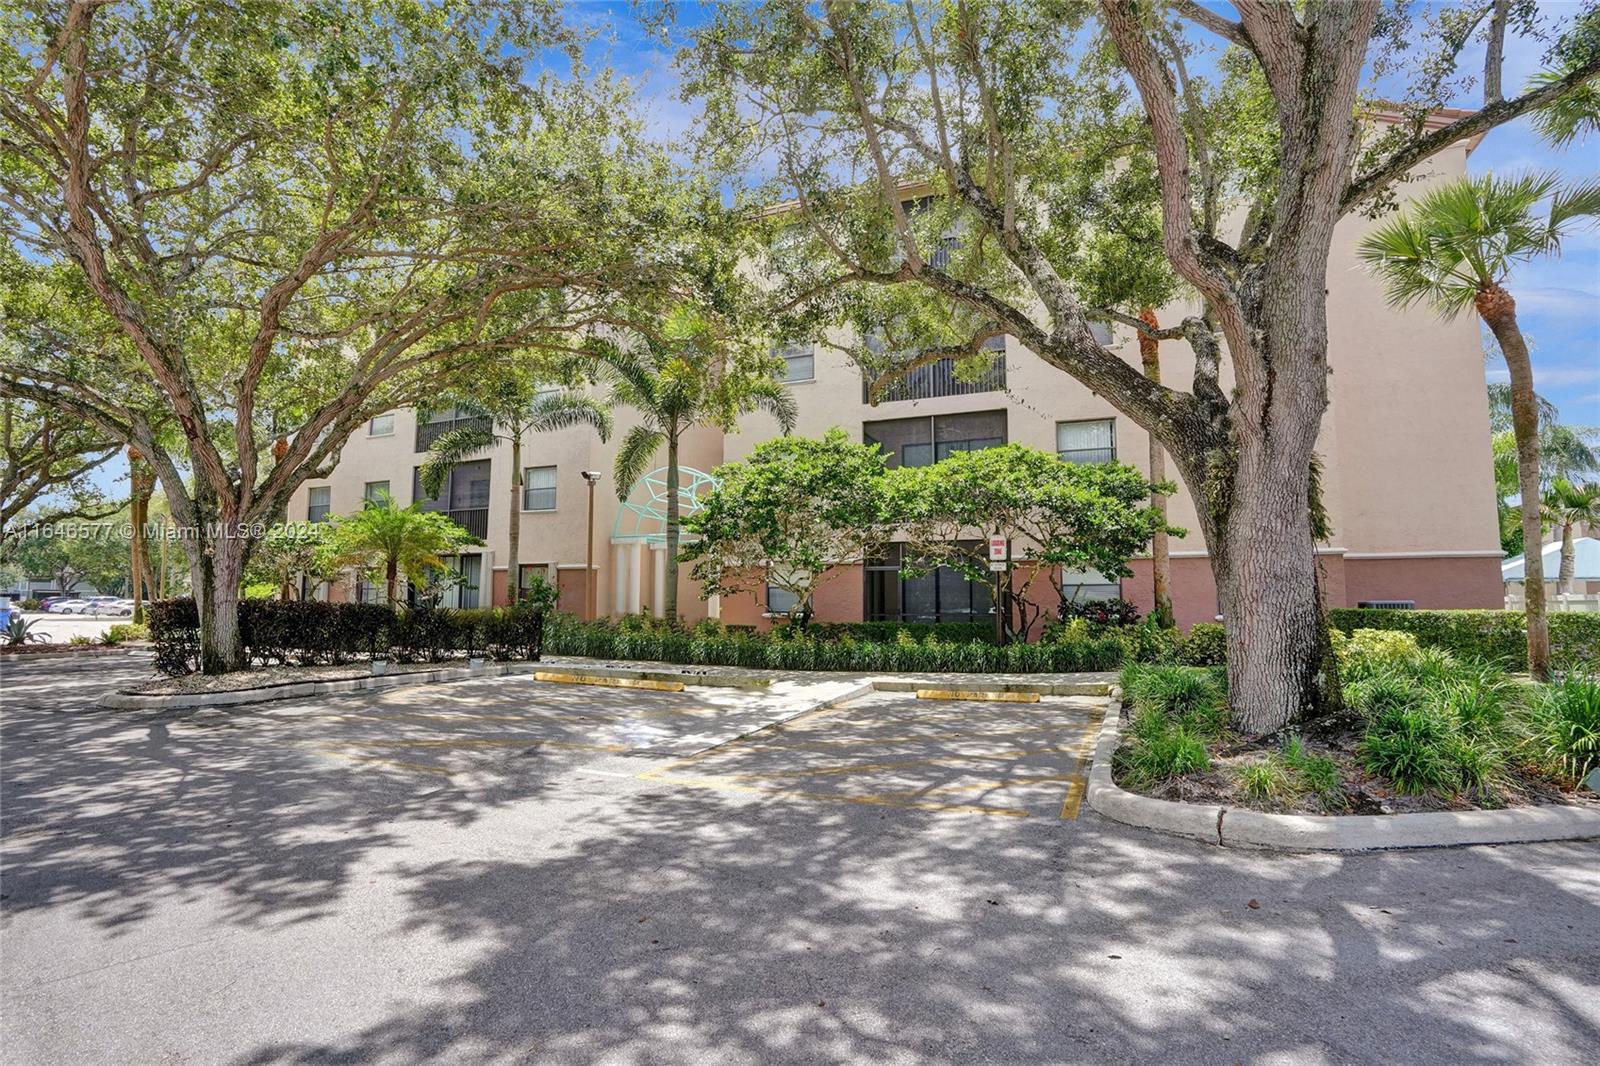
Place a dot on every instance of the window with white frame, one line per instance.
(381, 425)
(1090, 441)
(539, 488)
(800, 362)
(375, 491)
(319, 502)
(1083, 586)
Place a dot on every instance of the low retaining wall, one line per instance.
(1236, 827)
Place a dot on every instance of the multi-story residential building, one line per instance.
(1407, 477)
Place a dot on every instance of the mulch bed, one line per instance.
(1363, 793)
(273, 676)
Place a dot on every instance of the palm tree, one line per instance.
(677, 381)
(1454, 249)
(1566, 505)
(507, 407)
(382, 537)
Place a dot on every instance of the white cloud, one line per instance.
(1557, 301)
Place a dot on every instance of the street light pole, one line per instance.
(593, 478)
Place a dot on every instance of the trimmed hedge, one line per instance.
(712, 646)
(1492, 635)
(948, 632)
(308, 632)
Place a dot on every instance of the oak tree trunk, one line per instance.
(1499, 313)
(217, 568)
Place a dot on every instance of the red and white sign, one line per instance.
(998, 551)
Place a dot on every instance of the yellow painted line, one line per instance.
(984, 786)
(917, 716)
(376, 760)
(469, 742)
(609, 682)
(981, 695)
(1073, 800)
(738, 742)
(944, 760)
(867, 742)
(722, 784)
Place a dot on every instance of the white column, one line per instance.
(634, 572)
(714, 607)
(658, 606)
(619, 586)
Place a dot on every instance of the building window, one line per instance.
(374, 591)
(1082, 586)
(937, 379)
(539, 488)
(944, 595)
(799, 362)
(528, 573)
(921, 441)
(381, 425)
(1090, 441)
(375, 492)
(319, 501)
(781, 601)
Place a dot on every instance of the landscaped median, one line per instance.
(1430, 751)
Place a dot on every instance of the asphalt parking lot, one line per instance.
(506, 871)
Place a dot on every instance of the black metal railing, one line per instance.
(428, 432)
(474, 520)
(938, 379)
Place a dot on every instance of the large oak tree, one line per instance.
(928, 150)
(296, 216)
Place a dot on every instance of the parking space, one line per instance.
(497, 726)
(1012, 760)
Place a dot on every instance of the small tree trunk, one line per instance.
(670, 607)
(513, 551)
(1569, 561)
(1499, 312)
(1160, 557)
(392, 580)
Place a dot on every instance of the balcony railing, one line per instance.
(428, 432)
(938, 379)
(474, 520)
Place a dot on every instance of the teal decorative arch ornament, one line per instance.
(643, 514)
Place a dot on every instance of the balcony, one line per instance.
(938, 379)
(474, 520)
(428, 432)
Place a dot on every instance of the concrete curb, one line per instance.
(1344, 832)
(132, 701)
(73, 658)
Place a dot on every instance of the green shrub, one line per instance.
(1408, 745)
(1316, 773)
(1266, 779)
(1565, 726)
(1369, 652)
(1489, 635)
(1160, 752)
(28, 604)
(81, 639)
(1478, 704)
(1377, 694)
(1206, 644)
(1186, 696)
(123, 631)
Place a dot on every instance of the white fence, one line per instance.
(1576, 601)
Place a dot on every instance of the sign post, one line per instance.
(999, 563)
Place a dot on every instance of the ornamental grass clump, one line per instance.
(1564, 726)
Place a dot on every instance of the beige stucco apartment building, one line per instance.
(1405, 446)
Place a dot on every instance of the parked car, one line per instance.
(112, 605)
(68, 606)
(45, 602)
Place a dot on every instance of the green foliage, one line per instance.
(20, 631)
(912, 650)
(1410, 746)
(1314, 773)
(1493, 636)
(308, 632)
(1159, 752)
(786, 514)
(1206, 644)
(1564, 725)
(1369, 652)
(386, 542)
(125, 631)
(80, 640)
(1190, 696)
(1266, 779)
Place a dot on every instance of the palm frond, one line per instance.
(451, 448)
(1570, 117)
(638, 449)
(562, 410)
(775, 398)
(1570, 205)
